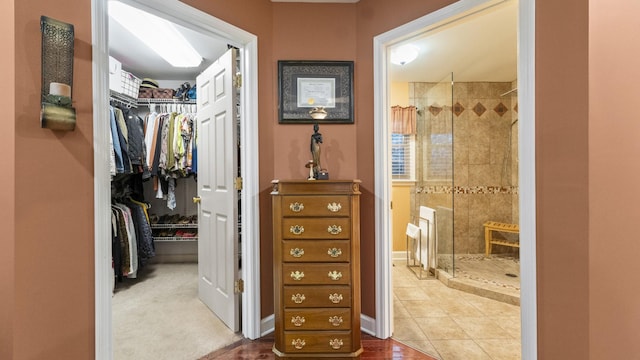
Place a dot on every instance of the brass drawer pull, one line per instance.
(334, 229)
(298, 275)
(296, 253)
(336, 343)
(335, 320)
(298, 298)
(298, 343)
(334, 252)
(296, 229)
(296, 207)
(334, 207)
(334, 275)
(335, 298)
(299, 320)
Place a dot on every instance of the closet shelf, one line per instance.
(122, 99)
(176, 239)
(148, 101)
(174, 226)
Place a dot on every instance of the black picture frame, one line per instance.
(305, 84)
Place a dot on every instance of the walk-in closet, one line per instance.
(162, 254)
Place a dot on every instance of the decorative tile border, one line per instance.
(478, 109)
(443, 189)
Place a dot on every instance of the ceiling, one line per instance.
(481, 46)
(137, 58)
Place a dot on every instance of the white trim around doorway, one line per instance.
(185, 15)
(526, 103)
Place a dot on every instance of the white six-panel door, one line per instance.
(218, 210)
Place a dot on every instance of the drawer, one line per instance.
(317, 319)
(317, 342)
(330, 205)
(316, 274)
(316, 228)
(316, 296)
(321, 250)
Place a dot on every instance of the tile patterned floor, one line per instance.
(450, 324)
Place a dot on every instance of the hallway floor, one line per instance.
(451, 324)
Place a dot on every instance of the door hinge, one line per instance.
(238, 183)
(237, 80)
(239, 286)
(391, 205)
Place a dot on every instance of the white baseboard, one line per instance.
(399, 255)
(267, 325)
(368, 325)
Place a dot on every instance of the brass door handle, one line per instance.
(196, 199)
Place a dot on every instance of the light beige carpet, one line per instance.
(159, 316)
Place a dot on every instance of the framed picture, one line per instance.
(304, 85)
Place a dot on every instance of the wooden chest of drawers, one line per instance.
(316, 249)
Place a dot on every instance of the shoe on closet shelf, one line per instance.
(181, 92)
(192, 93)
(174, 219)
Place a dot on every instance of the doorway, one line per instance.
(184, 15)
(382, 43)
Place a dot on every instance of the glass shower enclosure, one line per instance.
(434, 189)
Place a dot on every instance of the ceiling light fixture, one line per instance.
(404, 54)
(159, 34)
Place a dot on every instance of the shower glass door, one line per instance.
(434, 167)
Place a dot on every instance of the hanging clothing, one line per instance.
(132, 238)
(144, 245)
(117, 148)
(136, 146)
(170, 143)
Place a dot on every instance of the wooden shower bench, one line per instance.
(489, 240)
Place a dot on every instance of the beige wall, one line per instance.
(399, 94)
(614, 171)
(584, 244)
(401, 213)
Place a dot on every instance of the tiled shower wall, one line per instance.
(482, 185)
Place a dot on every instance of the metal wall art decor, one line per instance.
(307, 88)
(57, 75)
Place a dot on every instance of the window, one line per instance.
(402, 156)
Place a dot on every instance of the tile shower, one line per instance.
(466, 162)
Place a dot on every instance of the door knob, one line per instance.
(196, 199)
